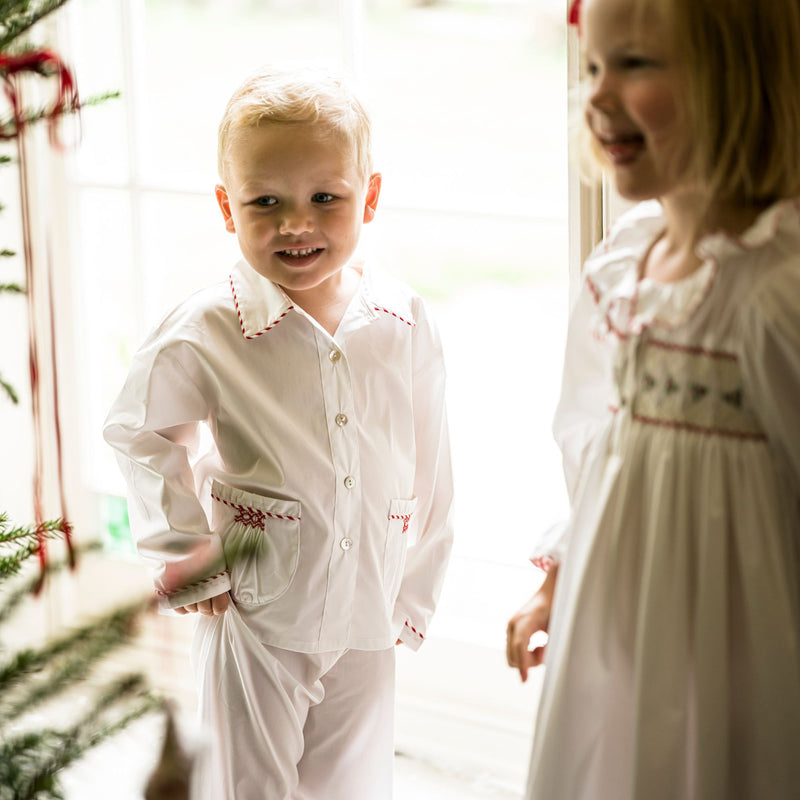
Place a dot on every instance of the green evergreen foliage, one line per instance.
(58, 679)
(57, 672)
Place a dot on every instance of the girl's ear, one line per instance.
(373, 192)
(225, 206)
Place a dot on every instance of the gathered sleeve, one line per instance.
(428, 556)
(581, 410)
(154, 426)
(771, 363)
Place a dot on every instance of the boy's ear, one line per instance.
(373, 192)
(225, 206)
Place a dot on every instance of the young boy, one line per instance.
(312, 528)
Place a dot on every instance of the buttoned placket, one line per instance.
(337, 393)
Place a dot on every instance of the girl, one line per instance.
(673, 593)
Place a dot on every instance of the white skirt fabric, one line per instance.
(673, 667)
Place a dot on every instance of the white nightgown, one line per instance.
(673, 666)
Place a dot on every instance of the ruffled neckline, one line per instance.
(627, 305)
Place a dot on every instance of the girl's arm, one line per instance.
(533, 617)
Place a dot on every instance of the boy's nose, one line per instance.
(295, 221)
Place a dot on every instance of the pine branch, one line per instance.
(11, 288)
(73, 669)
(26, 540)
(19, 16)
(112, 630)
(50, 529)
(14, 598)
(6, 253)
(12, 564)
(9, 125)
(29, 764)
(10, 393)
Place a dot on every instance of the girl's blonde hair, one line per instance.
(742, 69)
(275, 95)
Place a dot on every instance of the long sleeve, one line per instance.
(771, 363)
(582, 407)
(154, 426)
(427, 557)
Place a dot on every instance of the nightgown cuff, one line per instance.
(551, 547)
(193, 592)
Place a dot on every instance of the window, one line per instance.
(468, 103)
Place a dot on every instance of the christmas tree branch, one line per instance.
(9, 390)
(9, 125)
(14, 598)
(109, 631)
(29, 762)
(87, 652)
(20, 15)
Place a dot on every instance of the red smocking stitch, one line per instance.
(688, 426)
(165, 593)
(253, 517)
(411, 627)
(405, 517)
(693, 350)
(391, 313)
(241, 321)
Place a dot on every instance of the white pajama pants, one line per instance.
(282, 725)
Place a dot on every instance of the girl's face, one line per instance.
(632, 109)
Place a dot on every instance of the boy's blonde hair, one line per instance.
(274, 95)
(741, 66)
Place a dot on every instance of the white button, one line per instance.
(346, 543)
(334, 355)
(341, 420)
(349, 482)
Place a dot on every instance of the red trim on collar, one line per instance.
(392, 314)
(241, 320)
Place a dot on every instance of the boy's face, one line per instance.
(296, 201)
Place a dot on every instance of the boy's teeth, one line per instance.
(306, 252)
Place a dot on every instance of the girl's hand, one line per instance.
(532, 617)
(212, 606)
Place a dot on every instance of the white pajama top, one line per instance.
(673, 666)
(308, 474)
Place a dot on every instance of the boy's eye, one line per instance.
(265, 201)
(323, 197)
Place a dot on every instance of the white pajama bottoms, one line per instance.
(283, 725)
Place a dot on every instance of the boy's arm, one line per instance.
(426, 560)
(153, 426)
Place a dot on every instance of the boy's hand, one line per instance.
(532, 617)
(211, 606)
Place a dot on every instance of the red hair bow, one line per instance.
(574, 17)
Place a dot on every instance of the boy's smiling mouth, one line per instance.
(307, 251)
(299, 256)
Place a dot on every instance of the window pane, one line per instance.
(196, 54)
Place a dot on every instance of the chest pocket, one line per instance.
(399, 519)
(261, 541)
